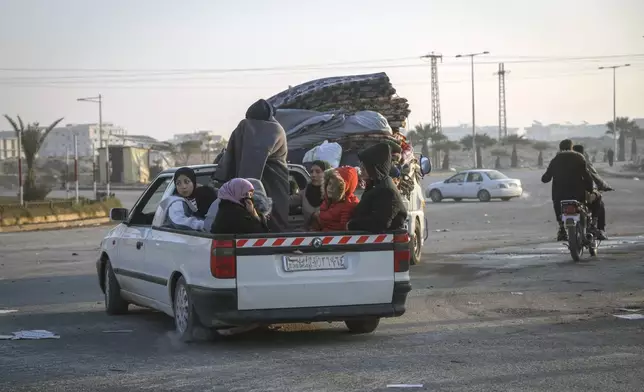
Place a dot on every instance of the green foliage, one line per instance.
(31, 139)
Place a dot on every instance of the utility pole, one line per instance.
(76, 167)
(99, 101)
(471, 56)
(21, 189)
(614, 67)
(436, 122)
(435, 102)
(503, 120)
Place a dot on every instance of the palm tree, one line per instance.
(625, 128)
(423, 133)
(541, 147)
(483, 141)
(514, 141)
(446, 146)
(31, 139)
(499, 153)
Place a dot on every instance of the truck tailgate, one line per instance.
(310, 271)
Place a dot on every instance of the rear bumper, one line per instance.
(216, 307)
(506, 192)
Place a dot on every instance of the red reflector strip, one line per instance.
(326, 240)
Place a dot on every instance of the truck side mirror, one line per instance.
(118, 214)
(425, 165)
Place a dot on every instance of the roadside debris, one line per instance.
(119, 331)
(7, 311)
(35, 334)
(404, 385)
(516, 293)
(631, 316)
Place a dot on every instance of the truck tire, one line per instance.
(114, 303)
(362, 326)
(416, 250)
(186, 321)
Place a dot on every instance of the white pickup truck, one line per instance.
(215, 282)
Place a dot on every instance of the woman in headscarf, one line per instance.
(181, 208)
(311, 197)
(237, 213)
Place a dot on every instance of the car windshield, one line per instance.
(495, 175)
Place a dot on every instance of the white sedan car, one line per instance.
(475, 184)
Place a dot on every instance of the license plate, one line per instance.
(314, 262)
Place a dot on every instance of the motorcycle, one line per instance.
(580, 228)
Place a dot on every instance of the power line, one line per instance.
(338, 65)
(90, 84)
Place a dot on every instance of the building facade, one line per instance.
(8, 145)
(60, 141)
(201, 136)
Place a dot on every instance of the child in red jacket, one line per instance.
(339, 201)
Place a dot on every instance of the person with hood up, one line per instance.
(179, 210)
(381, 207)
(257, 149)
(311, 197)
(237, 213)
(339, 201)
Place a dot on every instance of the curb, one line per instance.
(55, 225)
(630, 176)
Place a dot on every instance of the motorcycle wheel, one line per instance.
(574, 242)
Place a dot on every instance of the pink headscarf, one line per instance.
(235, 190)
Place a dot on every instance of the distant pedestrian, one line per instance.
(611, 156)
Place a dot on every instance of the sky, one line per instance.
(165, 67)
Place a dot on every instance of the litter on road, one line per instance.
(404, 385)
(7, 311)
(35, 334)
(631, 316)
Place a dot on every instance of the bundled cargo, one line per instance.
(354, 93)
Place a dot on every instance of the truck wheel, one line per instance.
(114, 303)
(186, 321)
(362, 326)
(417, 249)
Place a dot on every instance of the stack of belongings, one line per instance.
(354, 111)
(353, 93)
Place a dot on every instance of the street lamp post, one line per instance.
(471, 56)
(614, 67)
(99, 100)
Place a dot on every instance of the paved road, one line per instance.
(483, 316)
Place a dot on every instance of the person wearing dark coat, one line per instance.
(381, 207)
(570, 178)
(596, 204)
(204, 197)
(237, 213)
(257, 149)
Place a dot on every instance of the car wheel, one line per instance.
(506, 198)
(186, 321)
(114, 303)
(457, 199)
(363, 325)
(416, 243)
(436, 196)
(484, 195)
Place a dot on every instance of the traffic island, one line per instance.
(48, 215)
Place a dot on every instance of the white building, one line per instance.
(8, 145)
(196, 136)
(60, 140)
(539, 131)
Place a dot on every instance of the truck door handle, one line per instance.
(139, 244)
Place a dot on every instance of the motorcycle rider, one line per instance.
(596, 204)
(570, 180)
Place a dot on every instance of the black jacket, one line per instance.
(570, 177)
(233, 218)
(381, 207)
